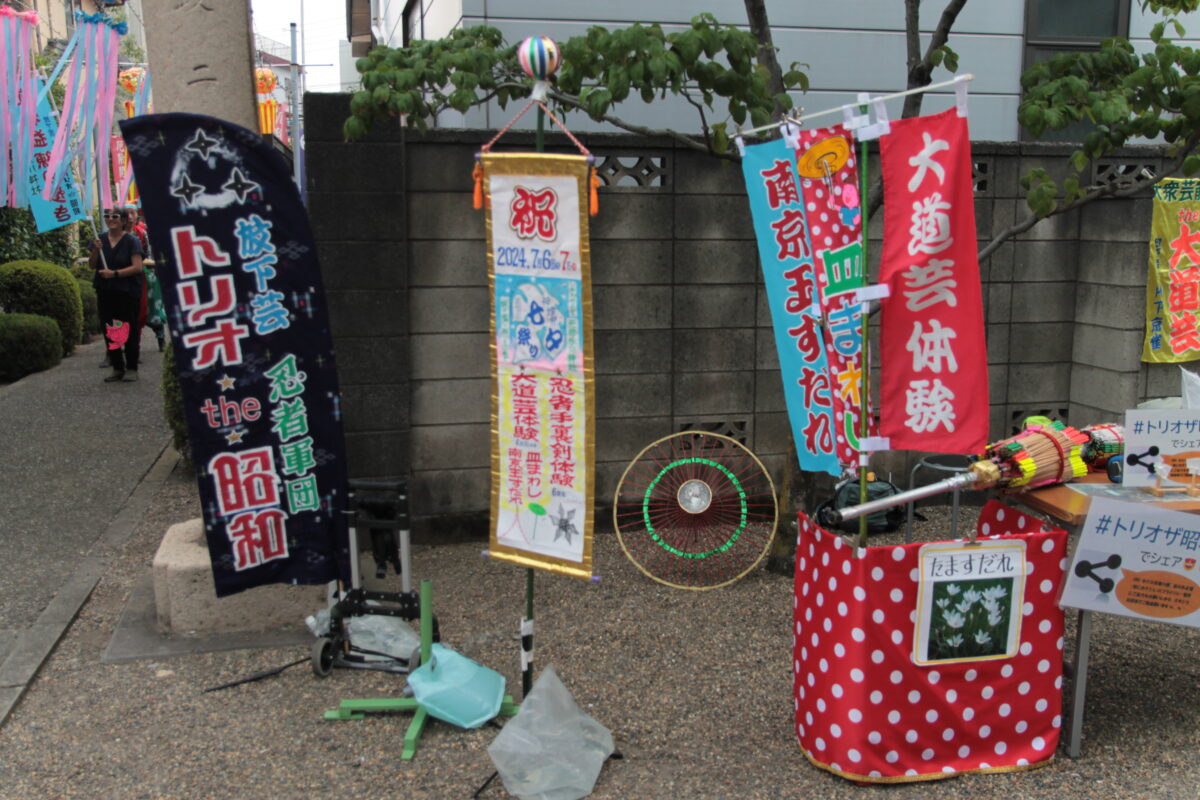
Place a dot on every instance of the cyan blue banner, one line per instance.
(784, 249)
(65, 206)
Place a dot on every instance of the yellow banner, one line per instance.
(543, 422)
(1172, 296)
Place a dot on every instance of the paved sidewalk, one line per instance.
(72, 451)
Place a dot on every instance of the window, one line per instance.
(414, 21)
(1068, 26)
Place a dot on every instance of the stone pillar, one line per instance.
(202, 55)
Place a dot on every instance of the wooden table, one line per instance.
(1070, 507)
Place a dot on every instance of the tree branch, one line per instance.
(1110, 190)
(760, 27)
(687, 141)
(920, 71)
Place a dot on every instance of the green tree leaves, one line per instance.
(1122, 95)
(704, 63)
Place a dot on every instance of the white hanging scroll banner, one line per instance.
(543, 423)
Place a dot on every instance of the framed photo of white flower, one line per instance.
(969, 601)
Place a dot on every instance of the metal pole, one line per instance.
(864, 382)
(527, 624)
(294, 117)
(1083, 643)
(836, 516)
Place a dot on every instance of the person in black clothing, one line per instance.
(118, 282)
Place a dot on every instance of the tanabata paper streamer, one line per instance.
(1173, 285)
(87, 112)
(543, 422)
(18, 102)
(829, 185)
(122, 173)
(250, 332)
(933, 359)
(268, 109)
(789, 273)
(136, 81)
(65, 205)
(920, 661)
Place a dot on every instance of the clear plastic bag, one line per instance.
(383, 634)
(551, 750)
(1190, 386)
(318, 623)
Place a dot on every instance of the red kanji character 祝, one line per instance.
(534, 213)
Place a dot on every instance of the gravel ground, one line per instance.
(695, 686)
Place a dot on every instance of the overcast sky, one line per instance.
(322, 26)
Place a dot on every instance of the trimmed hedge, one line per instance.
(172, 397)
(82, 270)
(20, 240)
(35, 287)
(91, 311)
(28, 343)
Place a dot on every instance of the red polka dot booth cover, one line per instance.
(866, 711)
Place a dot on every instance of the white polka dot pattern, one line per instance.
(876, 714)
(834, 216)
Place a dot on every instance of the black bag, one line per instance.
(846, 494)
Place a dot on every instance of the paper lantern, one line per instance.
(267, 110)
(264, 78)
(539, 57)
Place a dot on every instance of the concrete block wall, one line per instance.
(682, 329)
(356, 203)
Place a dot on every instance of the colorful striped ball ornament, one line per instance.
(539, 57)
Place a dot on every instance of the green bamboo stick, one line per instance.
(864, 382)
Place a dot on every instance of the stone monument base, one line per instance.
(186, 599)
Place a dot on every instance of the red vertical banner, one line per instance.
(828, 168)
(934, 384)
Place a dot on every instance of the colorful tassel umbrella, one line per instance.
(1037, 456)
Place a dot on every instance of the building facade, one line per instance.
(846, 48)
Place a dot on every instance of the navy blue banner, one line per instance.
(242, 289)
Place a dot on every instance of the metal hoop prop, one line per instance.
(695, 510)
